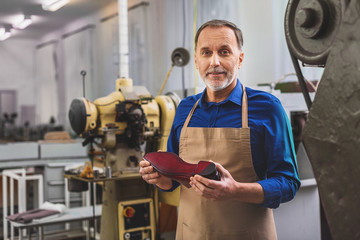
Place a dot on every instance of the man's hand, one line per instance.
(149, 174)
(215, 190)
(227, 188)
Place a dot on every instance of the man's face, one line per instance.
(218, 57)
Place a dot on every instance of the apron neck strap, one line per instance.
(190, 114)
(244, 110)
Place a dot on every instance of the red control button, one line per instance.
(129, 212)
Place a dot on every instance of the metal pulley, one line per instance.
(311, 27)
(180, 57)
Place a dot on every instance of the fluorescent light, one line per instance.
(23, 22)
(4, 34)
(53, 5)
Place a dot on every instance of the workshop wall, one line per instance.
(46, 83)
(156, 28)
(17, 70)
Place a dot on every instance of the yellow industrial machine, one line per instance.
(125, 124)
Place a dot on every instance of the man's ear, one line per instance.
(241, 58)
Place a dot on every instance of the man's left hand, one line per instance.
(215, 190)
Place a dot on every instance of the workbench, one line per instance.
(49, 160)
(70, 215)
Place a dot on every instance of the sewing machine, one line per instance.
(125, 124)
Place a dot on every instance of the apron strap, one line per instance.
(190, 114)
(244, 110)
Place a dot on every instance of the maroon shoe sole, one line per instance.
(172, 166)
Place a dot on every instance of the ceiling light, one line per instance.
(4, 34)
(53, 5)
(23, 22)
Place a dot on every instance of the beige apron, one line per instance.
(203, 219)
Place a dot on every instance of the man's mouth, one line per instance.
(215, 73)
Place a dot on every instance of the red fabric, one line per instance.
(28, 216)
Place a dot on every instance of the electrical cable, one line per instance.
(184, 40)
(185, 23)
(166, 78)
(194, 33)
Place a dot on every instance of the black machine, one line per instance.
(326, 33)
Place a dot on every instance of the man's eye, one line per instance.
(206, 53)
(224, 52)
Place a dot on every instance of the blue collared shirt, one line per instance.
(271, 138)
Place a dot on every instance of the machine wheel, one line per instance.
(311, 27)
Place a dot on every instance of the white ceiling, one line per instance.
(44, 21)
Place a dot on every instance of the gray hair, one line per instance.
(221, 23)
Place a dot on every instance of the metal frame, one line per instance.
(85, 202)
(20, 176)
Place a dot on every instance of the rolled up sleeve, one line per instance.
(282, 180)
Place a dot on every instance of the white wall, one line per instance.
(17, 70)
(262, 22)
(154, 32)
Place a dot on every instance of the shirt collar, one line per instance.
(235, 97)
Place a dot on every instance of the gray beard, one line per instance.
(221, 87)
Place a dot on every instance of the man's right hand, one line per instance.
(151, 176)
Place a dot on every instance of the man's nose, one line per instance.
(215, 60)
